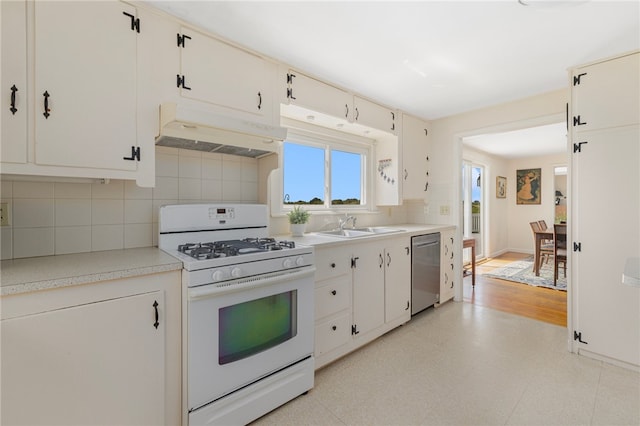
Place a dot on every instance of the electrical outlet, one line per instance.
(4, 214)
(444, 210)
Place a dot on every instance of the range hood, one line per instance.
(190, 128)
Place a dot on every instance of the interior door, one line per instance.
(605, 212)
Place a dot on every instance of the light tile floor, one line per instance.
(462, 364)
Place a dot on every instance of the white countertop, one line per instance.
(48, 272)
(408, 230)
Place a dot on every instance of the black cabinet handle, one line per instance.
(407, 308)
(357, 113)
(334, 292)
(13, 108)
(259, 100)
(408, 250)
(406, 174)
(381, 260)
(346, 114)
(333, 265)
(334, 328)
(388, 259)
(155, 306)
(46, 104)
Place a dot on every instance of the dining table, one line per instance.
(541, 235)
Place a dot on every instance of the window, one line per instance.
(327, 174)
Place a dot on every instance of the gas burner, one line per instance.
(270, 243)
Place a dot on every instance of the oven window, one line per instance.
(255, 326)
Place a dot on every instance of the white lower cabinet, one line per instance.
(363, 290)
(368, 287)
(71, 358)
(447, 265)
(397, 280)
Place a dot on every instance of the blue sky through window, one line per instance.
(304, 177)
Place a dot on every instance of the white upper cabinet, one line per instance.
(370, 114)
(220, 74)
(14, 82)
(85, 85)
(415, 158)
(605, 94)
(318, 96)
(75, 96)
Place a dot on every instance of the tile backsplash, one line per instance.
(49, 218)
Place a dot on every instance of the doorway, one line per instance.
(473, 206)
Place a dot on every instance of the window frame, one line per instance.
(328, 142)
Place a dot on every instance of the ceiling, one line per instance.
(429, 58)
(433, 58)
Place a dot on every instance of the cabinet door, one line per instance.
(606, 94)
(415, 158)
(368, 288)
(96, 363)
(318, 96)
(607, 311)
(13, 146)
(373, 115)
(223, 75)
(397, 280)
(447, 261)
(85, 71)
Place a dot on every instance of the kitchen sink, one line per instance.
(359, 232)
(379, 230)
(346, 233)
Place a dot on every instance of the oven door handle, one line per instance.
(249, 282)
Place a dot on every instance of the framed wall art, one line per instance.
(501, 187)
(529, 184)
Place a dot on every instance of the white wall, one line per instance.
(542, 109)
(520, 237)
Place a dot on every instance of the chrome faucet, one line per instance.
(343, 222)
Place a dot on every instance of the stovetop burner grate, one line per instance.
(213, 250)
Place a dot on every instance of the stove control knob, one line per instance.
(218, 275)
(288, 263)
(300, 261)
(236, 272)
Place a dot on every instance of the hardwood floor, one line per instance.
(539, 303)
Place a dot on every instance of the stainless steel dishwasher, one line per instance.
(425, 271)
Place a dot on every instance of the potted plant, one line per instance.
(298, 217)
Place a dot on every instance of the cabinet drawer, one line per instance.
(331, 263)
(332, 334)
(333, 296)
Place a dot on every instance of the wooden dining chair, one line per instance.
(560, 250)
(546, 248)
(543, 227)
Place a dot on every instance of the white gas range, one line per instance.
(249, 311)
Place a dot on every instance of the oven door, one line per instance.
(243, 330)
